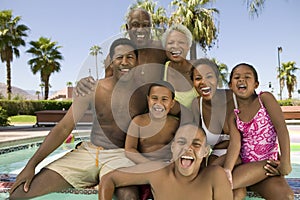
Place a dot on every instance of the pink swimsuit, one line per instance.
(259, 137)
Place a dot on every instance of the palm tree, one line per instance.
(42, 86)
(255, 6)
(38, 94)
(199, 20)
(158, 15)
(45, 60)
(223, 69)
(69, 84)
(94, 51)
(288, 69)
(11, 38)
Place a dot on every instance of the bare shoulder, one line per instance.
(156, 44)
(268, 100)
(267, 96)
(172, 119)
(141, 120)
(214, 173)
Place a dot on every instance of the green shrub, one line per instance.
(289, 102)
(3, 117)
(29, 107)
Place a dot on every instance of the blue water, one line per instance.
(12, 163)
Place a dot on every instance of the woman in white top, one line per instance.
(211, 108)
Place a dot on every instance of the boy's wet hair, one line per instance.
(121, 41)
(248, 65)
(163, 84)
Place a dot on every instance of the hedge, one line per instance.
(28, 107)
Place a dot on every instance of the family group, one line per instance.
(163, 129)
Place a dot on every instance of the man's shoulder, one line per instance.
(213, 171)
(105, 84)
(155, 44)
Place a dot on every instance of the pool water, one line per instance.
(13, 163)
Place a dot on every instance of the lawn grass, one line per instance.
(295, 147)
(22, 119)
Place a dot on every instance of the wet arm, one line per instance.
(221, 185)
(119, 178)
(278, 121)
(234, 144)
(53, 140)
(196, 111)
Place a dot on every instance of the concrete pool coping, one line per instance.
(20, 134)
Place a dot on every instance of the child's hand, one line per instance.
(229, 176)
(276, 168)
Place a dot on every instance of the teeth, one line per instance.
(140, 36)
(176, 53)
(242, 86)
(124, 70)
(158, 108)
(205, 90)
(187, 157)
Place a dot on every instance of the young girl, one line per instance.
(256, 126)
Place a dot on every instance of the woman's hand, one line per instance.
(229, 176)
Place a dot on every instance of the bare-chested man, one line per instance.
(182, 179)
(138, 26)
(114, 103)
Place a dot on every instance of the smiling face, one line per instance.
(243, 81)
(176, 46)
(205, 81)
(138, 26)
(188, 148)
(123, 60)
(160, 101)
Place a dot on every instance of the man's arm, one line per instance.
(53, 140)
(136, 175)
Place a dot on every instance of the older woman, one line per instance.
(177, 41)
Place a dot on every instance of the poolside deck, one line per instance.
(7, 180)
(19, 134)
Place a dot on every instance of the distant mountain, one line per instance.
(18, 92)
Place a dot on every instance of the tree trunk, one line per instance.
(8, 80)
(46, 88)
(193, 51)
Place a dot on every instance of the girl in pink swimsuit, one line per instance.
(256, 126)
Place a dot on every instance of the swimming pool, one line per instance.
(14, 159)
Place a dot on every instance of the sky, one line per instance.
(78, 25)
